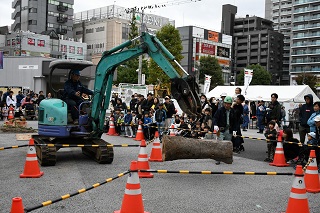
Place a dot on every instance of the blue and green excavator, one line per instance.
(53, 125)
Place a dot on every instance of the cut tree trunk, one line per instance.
(177, 147)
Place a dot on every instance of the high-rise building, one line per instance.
(255, 42)
(228, 16)
(299, 21)
(46, 15)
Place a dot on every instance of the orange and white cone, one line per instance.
(17, 205)
(143, 163)
(298, 201)
(31, 167)
(132, 200)
(112, 128)
(279, 159)
(172, 130)
(10, 114)
(156, 152)
(139, 135)
(311, 176)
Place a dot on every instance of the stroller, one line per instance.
(29, 111)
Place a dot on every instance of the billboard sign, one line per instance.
(223, 52)
(213, 36)
(208, 49)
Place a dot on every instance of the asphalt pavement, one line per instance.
(178, 193)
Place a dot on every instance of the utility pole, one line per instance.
(140, 57)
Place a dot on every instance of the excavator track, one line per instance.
(46, 155)
(103, 155)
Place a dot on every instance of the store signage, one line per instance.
(28, 67)
(207, 49)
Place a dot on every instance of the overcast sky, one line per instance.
(204, 13)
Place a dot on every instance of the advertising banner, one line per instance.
(213, 36)
(207, 82)
(247, 79)
(41, 43)
(71, 49)
(223, 52)
(31, 41)
(208, 49)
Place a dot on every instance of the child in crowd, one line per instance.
(127, 123)
(208, 135)
(134, 123)
(146, 125)
(5, 111)
(120, 123)
(207, 118)
(271, 134)
(196, 130)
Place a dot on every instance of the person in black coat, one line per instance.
(238, 111)
(73, 90)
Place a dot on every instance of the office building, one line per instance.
(199, 42)
(45, 15)
(106, 27)
(299, 21)
(255, 42)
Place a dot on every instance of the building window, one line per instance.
(32, 22)
(63, 48)
(32, 10)
(89, 30)
(80, 50)
(79, 32)
(71, 49)
(99, 29)
(50, 25)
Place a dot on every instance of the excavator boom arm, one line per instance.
(184, 90)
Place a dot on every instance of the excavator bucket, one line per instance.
(185, 91)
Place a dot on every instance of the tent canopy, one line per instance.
(254, 93)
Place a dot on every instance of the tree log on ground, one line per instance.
(177, 147)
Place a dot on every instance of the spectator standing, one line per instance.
(11, 99)
(214, 106)
(41, 97)
(306, 111)
(127, 123)
(275, 113)
(207, 118)
(237, 92)
(170, 111)
(146, 125)
(133, 103)
(19, 98)
(283, 115)
(238, 111)
(261, 110)
(160, 117)
(311, 123)
(139, 104)
(120, 123)
(146, 105)
(4, 96)
(49, 96)
(121, 105)
(221, 101)
(245, 116)
(5, 112)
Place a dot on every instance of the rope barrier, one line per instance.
(307, 164)
(66, 196)
(14, 147)
(216, 173)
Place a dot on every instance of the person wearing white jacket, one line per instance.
(11, 99)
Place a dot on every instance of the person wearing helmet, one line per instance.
(224, 121)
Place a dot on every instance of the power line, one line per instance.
(159, 5)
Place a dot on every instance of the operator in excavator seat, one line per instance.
(73, 90)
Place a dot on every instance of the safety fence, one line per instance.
(14, 147)
(66, 196)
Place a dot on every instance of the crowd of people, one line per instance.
(20, 105)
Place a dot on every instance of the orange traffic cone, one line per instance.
(311, 176)
(112, 129)
(172, 130)
(279, 159)
(143, 162)
(280, 134)
(10, 113)
(17, 205)
(139, 135)
(132, 200)
(31, 167)
(298, 201)
(156, 152)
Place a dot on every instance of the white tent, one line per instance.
(256, 92)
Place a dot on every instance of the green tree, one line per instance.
(260, 75)
(170, 38)
(307, 79)
(210, 66)
(126, 73)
